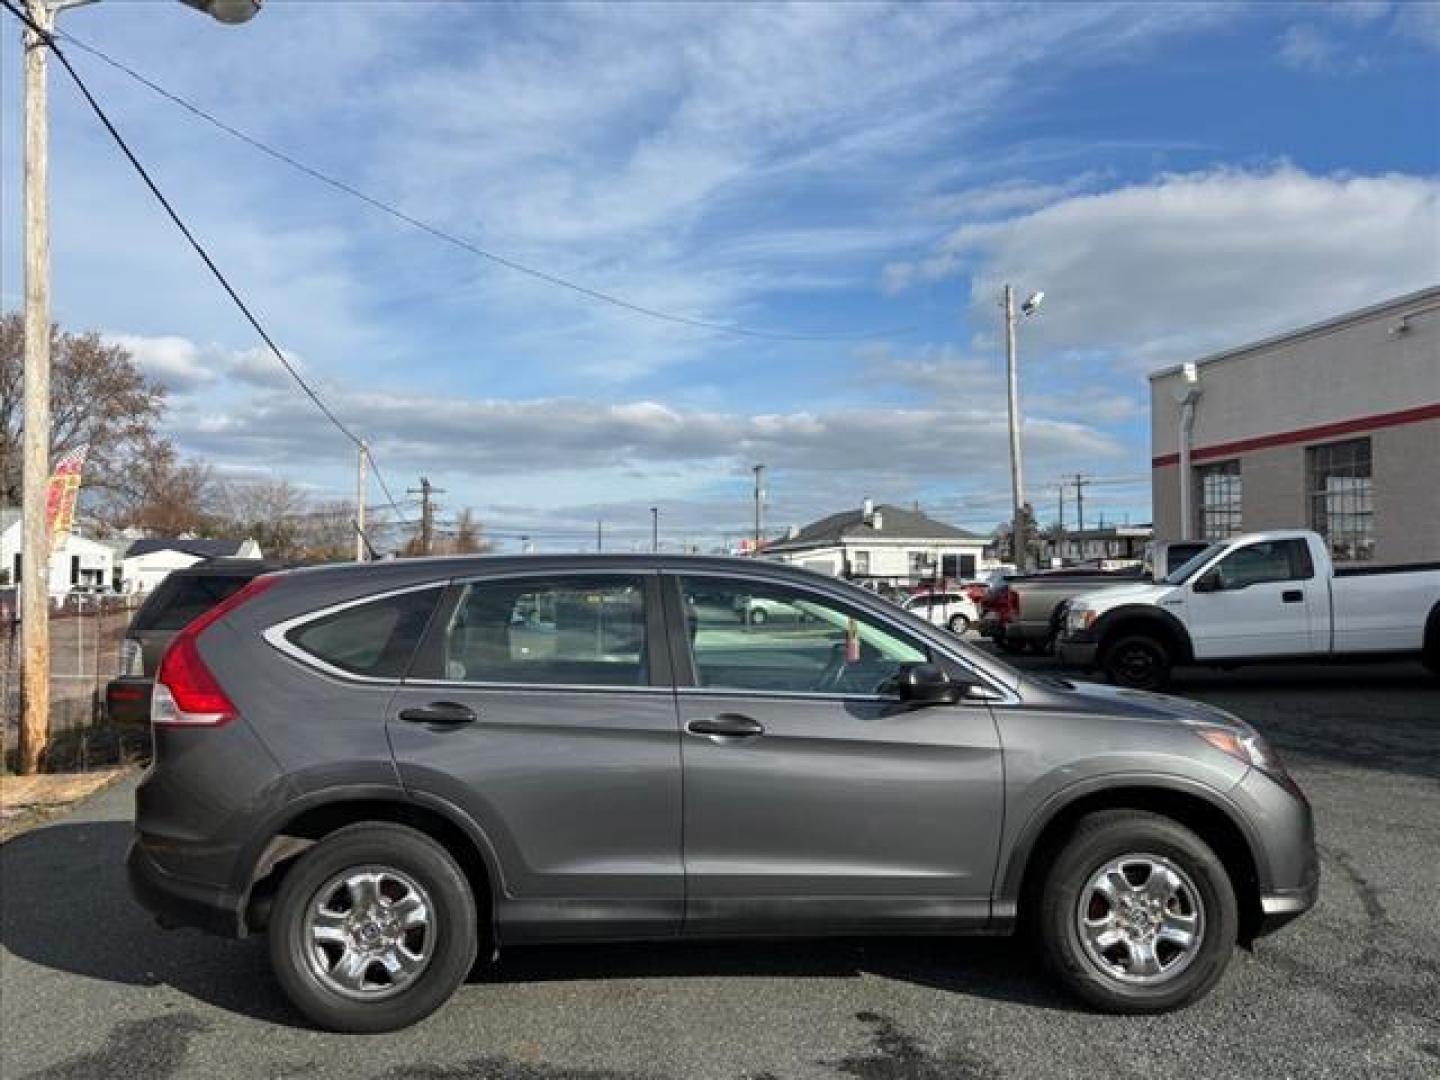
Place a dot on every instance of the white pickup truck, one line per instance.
(1258, 598)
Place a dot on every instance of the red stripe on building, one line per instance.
(1301, 435)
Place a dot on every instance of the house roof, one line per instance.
(201, 549)
(895, 524)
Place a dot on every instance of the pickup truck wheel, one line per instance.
(374, 929)
(1138, 914)
(1137, 662)
(959, 624)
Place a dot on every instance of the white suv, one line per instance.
(950, 609)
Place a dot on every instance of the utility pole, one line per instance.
(1080, 482)
(426, 491)
(1017, 469)
(35, 445)
(599, 536)
(35, 474)
(360, 502)
(654, 528)
(759, 471)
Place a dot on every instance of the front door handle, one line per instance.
(730, 725)
(440, 712)
(1292, 596)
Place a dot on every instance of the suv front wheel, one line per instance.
(1138, 914)
(373, 929)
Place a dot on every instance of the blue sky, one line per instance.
(1177, 178)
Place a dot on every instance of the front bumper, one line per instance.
(1077, 652)
(176, 901)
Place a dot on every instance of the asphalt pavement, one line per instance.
(90, 988)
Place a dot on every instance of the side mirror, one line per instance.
(1207, 582)
(928, 684)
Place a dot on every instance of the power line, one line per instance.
(458, 241)
(310, 392)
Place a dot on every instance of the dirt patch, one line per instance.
(25, 801)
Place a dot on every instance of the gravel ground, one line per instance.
(89, 987)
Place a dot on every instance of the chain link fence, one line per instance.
(85, 641)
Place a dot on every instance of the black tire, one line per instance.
(959, 624)
(757, 616)
(1138, 662)
(452, 912)
(1110, 835)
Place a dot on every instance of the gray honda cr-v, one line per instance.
(391, 767)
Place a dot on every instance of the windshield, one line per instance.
(1179, 575)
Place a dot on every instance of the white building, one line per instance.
(78, 562)
(147, 562)
(883, 544)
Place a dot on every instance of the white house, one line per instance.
(76, 562)
(883, 544)
(148, 561)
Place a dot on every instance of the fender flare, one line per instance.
(1142, 619)
(254, 853)
(1007, 891)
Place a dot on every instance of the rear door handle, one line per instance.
(440, 712)
(731, 725)
(1292, 596)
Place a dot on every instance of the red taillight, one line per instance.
(186, 693)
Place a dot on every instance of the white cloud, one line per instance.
(1305, 47)
(1171, 269)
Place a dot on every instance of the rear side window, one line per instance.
(180, 600)
(562, 631)
(375, 639)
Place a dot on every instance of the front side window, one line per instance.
(805, 644)
(1256, 564)
(1342, 505)
(376, 639)
(1218, 507)
(561, 631)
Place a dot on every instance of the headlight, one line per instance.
(1080, 619)
(1245, 746)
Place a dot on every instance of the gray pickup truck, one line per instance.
(1027, 611)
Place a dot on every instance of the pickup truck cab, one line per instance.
(1262, 597)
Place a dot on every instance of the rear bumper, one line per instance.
(127, 700)
(176, 901)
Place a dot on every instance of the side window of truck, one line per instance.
(1257, 564)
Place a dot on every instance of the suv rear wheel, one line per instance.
(373, 929)
(1138, 913)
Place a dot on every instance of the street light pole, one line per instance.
(654, 528)
(1017, 468)
(759, 507)
(35, 447)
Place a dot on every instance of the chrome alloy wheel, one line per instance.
(368, 932)
(1140, 919)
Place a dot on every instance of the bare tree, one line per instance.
(469, 538)
(99, 397)
(269, 511)
(161, 495)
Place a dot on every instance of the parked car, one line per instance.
(182, 596)
(758, 610)
(364, 763)
(953, 610)
(1028, 607)
(1263, 597)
